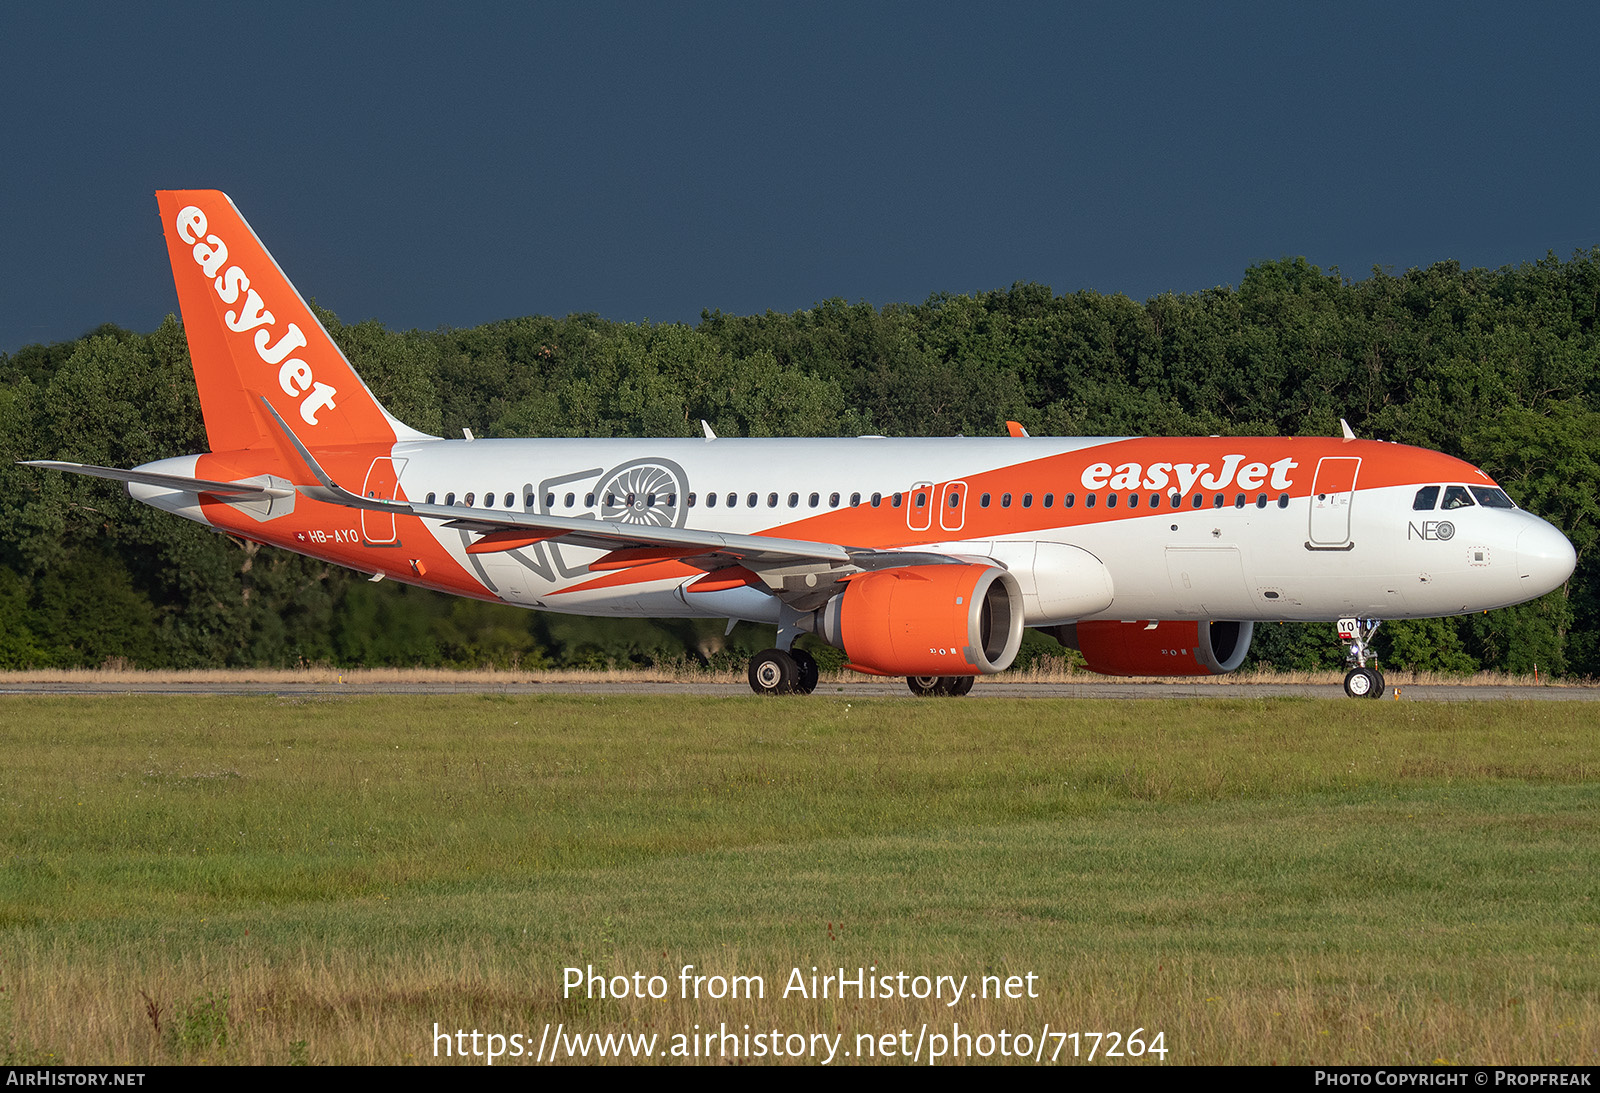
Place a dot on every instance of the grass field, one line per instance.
(272, 880)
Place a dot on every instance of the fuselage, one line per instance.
(1251, 528)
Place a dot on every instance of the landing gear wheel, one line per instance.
(1383, 684)
(1363, 683)
(806, 665)
(773, 672)
(960, 686)
(927, 686)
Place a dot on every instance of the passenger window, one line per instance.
(983, 502)
(1005, 500)
(895, 499)
(1427, 497)
(511, 499)
(569, 499)
(1027, 500)
(1455, 497)
(449, 498)
(833, 500)
(1238, 502)
(794, 500)
(1283, 500)
(690, 499)
(1177, 501)
(467, 500)
(955, 499)
(877, 499)
(751, 500)
(922, 500)
(528, 499)
(1133, 500)
(1155, 500)
(549, 500)
(855, 499)
(1197, 501)
(1261, 500)
(488, 500)
(429, 499)
(1219, 501)
(588, 500)
(1049, 500)
(733, 500)
(772, 500)
(649, 500)
(1069, 499)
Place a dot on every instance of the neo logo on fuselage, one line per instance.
(294, 375)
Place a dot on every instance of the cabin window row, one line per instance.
(920, 499)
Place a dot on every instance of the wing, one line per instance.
(628, 544)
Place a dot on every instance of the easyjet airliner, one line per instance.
(922, 558)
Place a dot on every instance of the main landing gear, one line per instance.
(794, 672)
(776, 672)
(1360, 681)
(934, 686)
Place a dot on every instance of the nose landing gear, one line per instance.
(1361, 681)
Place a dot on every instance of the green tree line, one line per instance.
(1500, 367)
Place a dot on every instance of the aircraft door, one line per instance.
(919, 506)
(383, 478)
(953, 506)
(1332, 492)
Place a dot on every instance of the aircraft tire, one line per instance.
(927, 686)
(1363, 683)
(773, 672)
(807, 672)
(959, 686)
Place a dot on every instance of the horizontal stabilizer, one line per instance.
(230, 490)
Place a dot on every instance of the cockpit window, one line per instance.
(1491, 498)
(1456, 497)
(1427, 497)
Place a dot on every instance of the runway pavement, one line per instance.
(863, 688)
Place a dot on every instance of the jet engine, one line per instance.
(1165, 648)
(926, 620)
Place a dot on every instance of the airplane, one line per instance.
(923, 558)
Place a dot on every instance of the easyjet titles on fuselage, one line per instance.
(294, 375)
(1159, 476)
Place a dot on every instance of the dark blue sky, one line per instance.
(431, 166)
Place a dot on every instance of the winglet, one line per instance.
(1015, 429)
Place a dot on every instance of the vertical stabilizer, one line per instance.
(252, 336)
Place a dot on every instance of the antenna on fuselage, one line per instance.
(1349, 434)
(706, 425)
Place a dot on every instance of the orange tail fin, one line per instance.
(251, 336)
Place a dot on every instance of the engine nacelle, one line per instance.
(1183, 648)
(926, 620)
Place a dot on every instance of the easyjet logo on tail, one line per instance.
(294, 375)
(1158, 476)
